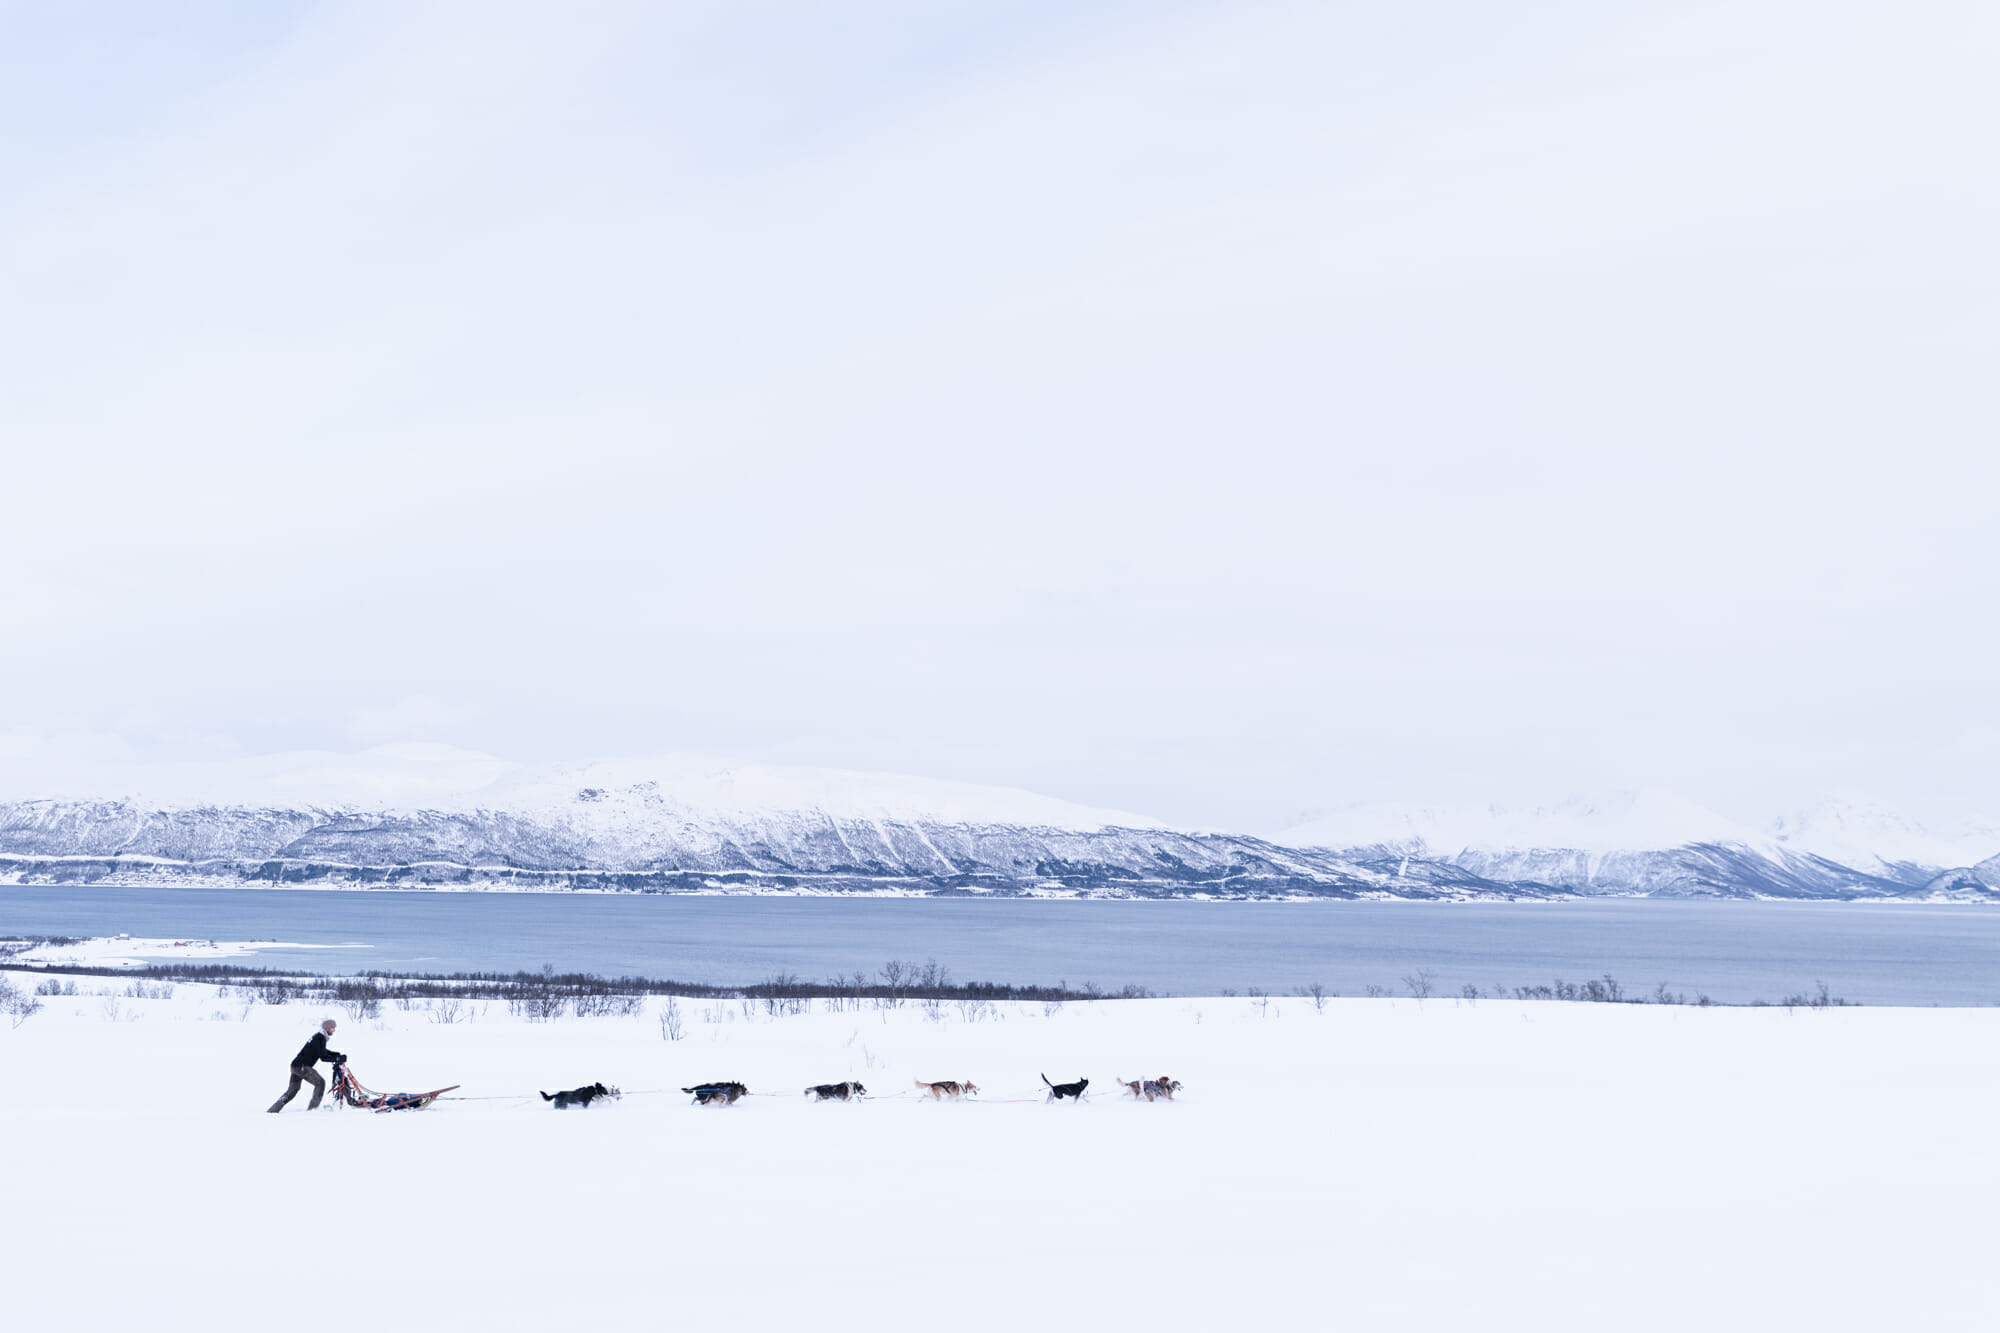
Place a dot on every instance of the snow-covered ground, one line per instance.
(1443, 1165)
(128, 951)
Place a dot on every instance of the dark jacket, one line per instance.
(314, 1051)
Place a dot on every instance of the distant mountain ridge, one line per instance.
(679, 825)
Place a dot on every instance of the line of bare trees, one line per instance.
(547, 994)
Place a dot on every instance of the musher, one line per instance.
(309, 1055)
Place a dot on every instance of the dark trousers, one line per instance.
(309, 1075)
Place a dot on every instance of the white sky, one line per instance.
(1223, 411)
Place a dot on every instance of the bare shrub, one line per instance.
(539, 1004)
(1819, 998)
(1605, 991)
(17, 1004)
(1316, 993)
(536, 996)
(1421, 984)
(447, 1009)
(894, 979)
(361, 997)
(670, 1021)
(931, 982)
(1375, 992)
(784, 995)
(590, 1003)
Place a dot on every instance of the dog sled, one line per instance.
(350, 1091)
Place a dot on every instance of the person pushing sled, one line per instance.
(346, 1087)
(309, 1055)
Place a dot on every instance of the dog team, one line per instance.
(728, 1093)
(725, 1093)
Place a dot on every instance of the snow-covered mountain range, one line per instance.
(431, 816)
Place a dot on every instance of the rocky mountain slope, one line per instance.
(674, 827)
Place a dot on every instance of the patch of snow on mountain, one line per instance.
(693, 787)
(600, 794)
(1855, 830)
(1647, 819)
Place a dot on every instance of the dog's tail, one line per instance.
(545, 1096)
(1045, 1079)
(920, 1083)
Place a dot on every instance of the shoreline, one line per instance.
(1035, 895)
(125, 952)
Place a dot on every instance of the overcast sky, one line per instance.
(1221, 411)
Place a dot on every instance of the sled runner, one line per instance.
(348, 1090)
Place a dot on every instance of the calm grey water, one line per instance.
(1735, 952)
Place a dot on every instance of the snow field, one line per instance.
(1444, 1164)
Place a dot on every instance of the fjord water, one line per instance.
(1735, 952)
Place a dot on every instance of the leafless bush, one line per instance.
(447, 1009)
(1820, 998)
(1316, 993)
(539, 1004)
(1259, 999)
(1468, 992)
(361, 997)
(1421, 984)
(592, 1004)
(1606, 991)
(670, 1021)
(50, 986)
(785, 995)
(931, 982)
(1375, 992)
(143, 990)
(894, 979)
(17, 1004)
